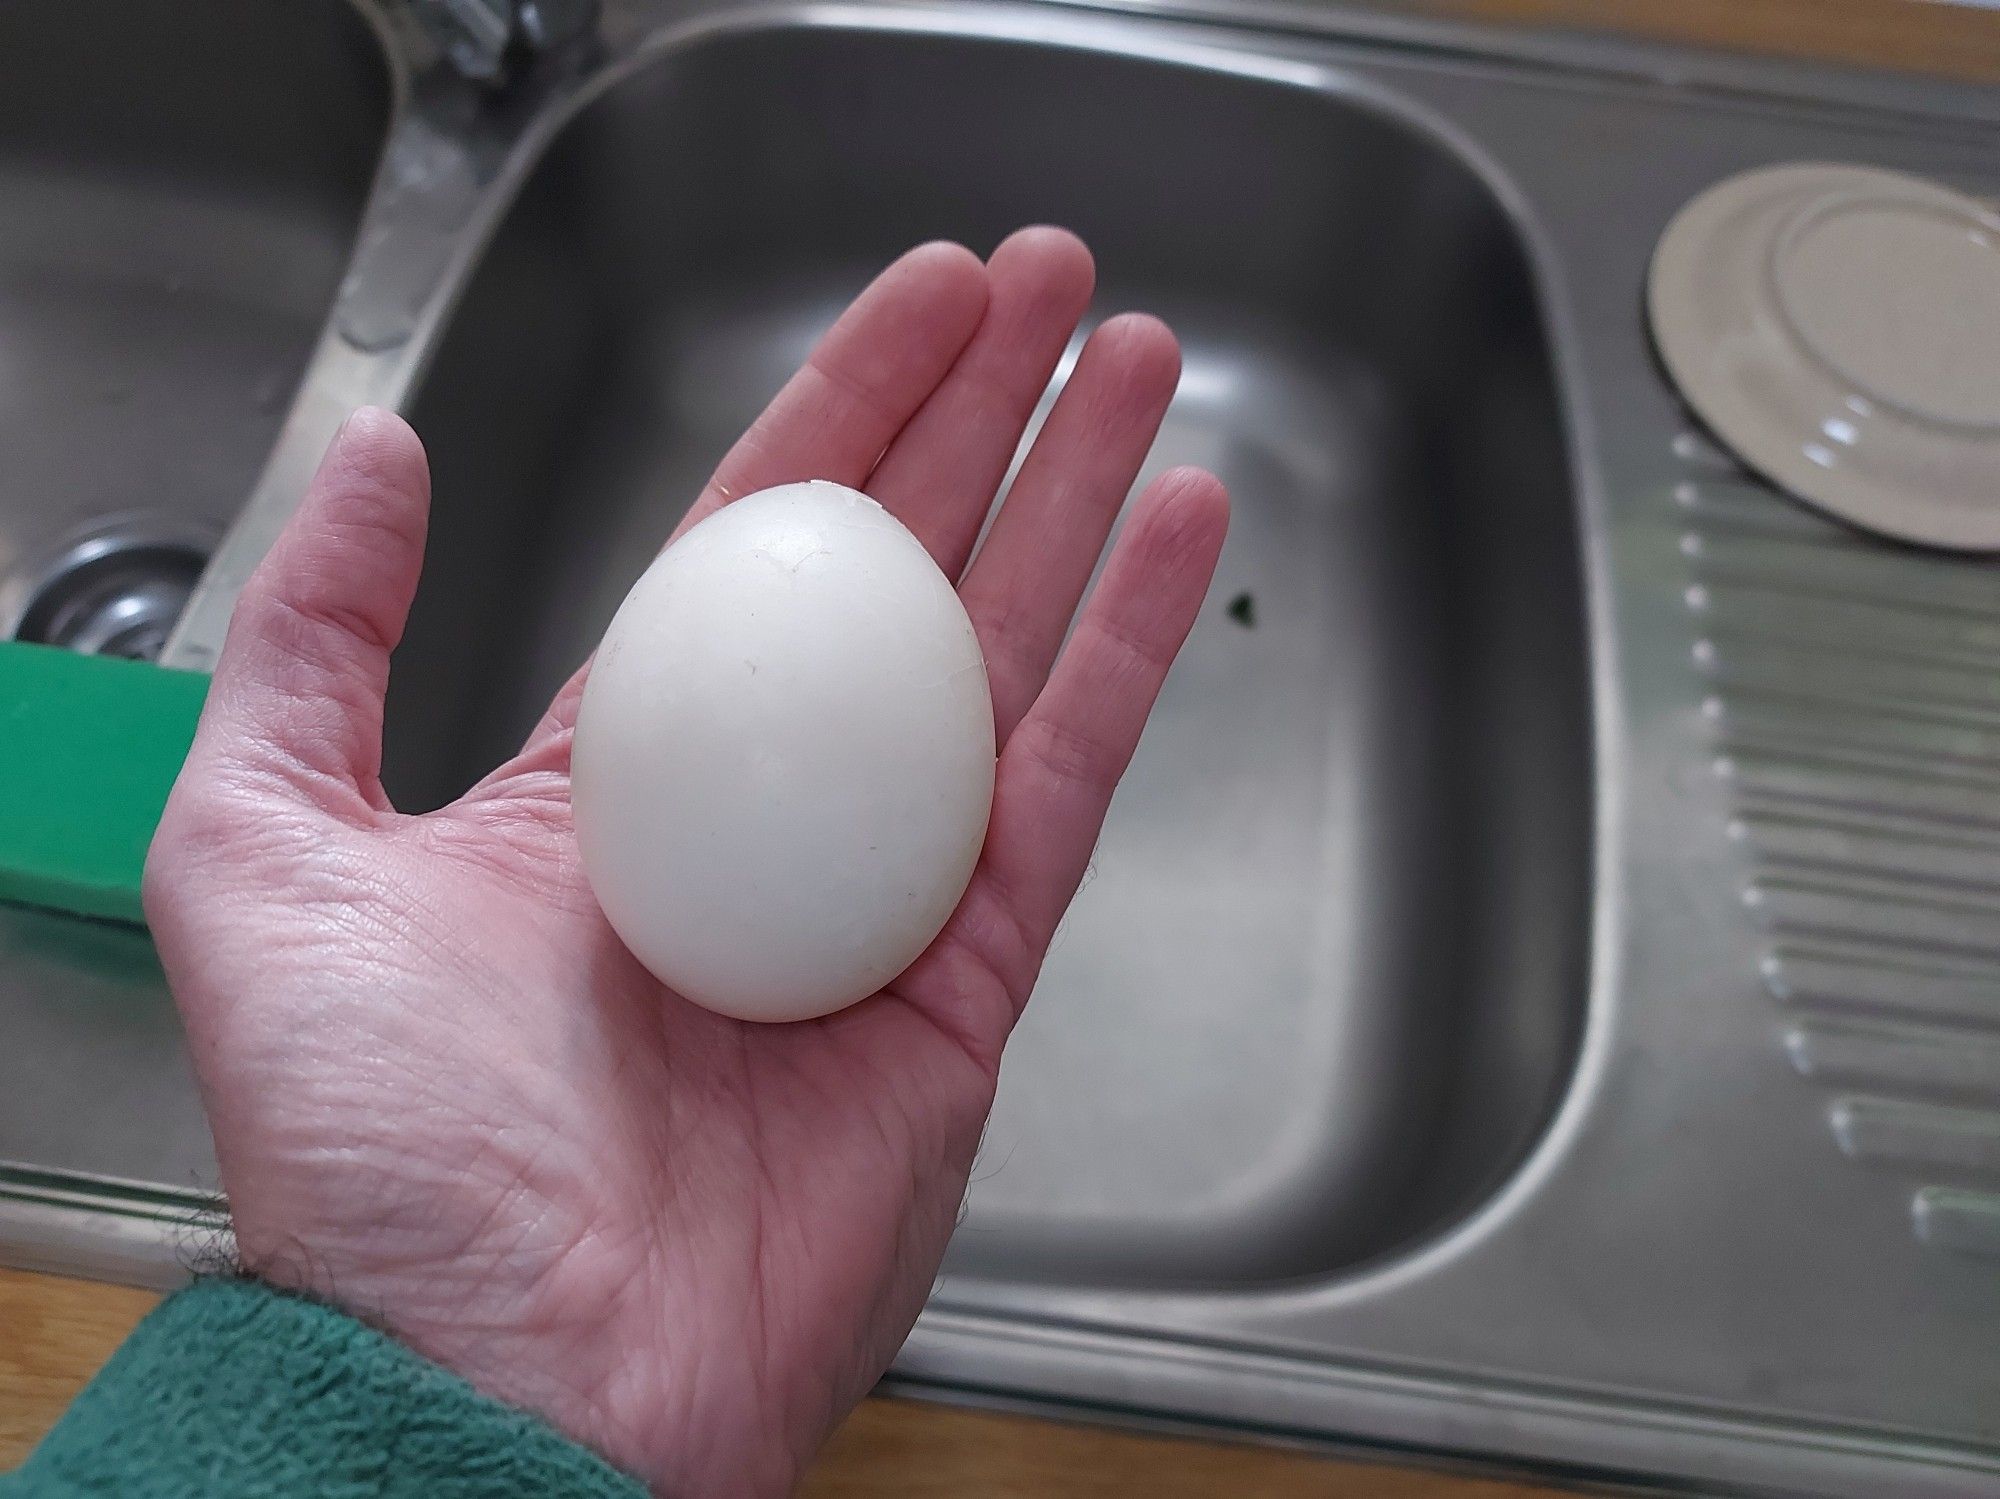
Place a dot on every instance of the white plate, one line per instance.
(1840, 328)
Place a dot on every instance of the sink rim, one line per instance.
(498, 167)
(340, 376)
(681, 45)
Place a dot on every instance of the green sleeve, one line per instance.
(230, 1389)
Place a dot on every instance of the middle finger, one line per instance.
(939, 477)
(1023, 587)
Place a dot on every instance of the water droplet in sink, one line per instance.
(269, 393)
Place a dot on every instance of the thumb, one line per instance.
(297, 698)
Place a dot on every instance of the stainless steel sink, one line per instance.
(1540, 796)
(171, 236)
(181, 182)
(1327, 982)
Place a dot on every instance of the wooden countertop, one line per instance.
(57, 1332)
(1934, 37)
(54, 1333)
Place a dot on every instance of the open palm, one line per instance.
(442, 1092)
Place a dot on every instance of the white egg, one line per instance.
(783, 761)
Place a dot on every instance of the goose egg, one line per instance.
(783, 761)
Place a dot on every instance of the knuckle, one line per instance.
(1067, 753)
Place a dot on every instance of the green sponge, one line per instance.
(89, 748)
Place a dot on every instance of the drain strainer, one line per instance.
(116, 592)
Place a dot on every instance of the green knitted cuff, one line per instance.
(230, 1389)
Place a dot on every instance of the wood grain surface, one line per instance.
(54, 1334)
(1912, 36)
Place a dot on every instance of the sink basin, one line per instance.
(171, 240)
(1328, 977)
(173, 236)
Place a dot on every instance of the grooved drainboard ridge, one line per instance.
(1852, 690)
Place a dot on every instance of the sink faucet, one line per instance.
(478, 35)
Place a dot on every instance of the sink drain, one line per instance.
(118, 592)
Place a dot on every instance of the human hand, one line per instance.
(442, 1093)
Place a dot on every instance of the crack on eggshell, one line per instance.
(954, 674)
(790, 565)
